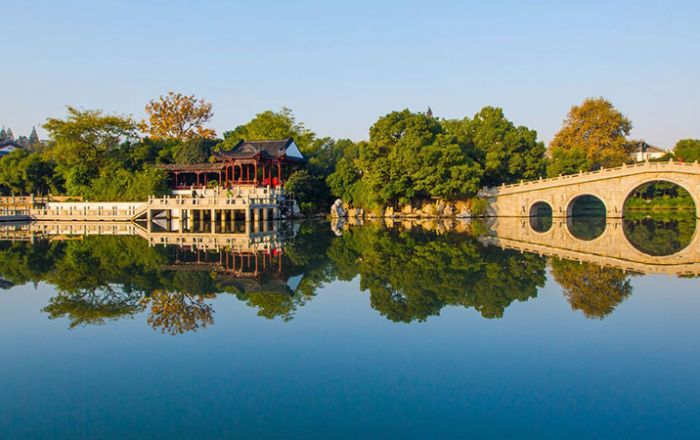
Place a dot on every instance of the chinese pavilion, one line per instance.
(256, 163)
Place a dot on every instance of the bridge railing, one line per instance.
(625, 167)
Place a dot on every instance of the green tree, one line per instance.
(309, 189)
(115, 183)
(270, 125)
(392, 156)
(22, 172)
(197, 150)
(687, 150)
(593, 135)
(83, 142)
(506, 153)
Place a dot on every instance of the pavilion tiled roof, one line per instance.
(271, 149)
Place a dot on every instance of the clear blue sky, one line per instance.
(340, 66)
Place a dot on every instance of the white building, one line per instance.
(8, 147)
(641, 151)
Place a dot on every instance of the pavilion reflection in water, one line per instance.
(411, 269)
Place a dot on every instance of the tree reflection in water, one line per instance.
(177, 312)
(594, 290)
(658, 235)
(410, 274)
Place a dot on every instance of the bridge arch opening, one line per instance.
(586, 217)
(541, 216)
(659, 218)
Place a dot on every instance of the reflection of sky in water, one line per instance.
(341, 369)
(293, 282)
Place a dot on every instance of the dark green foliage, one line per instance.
(270, 125)
(659, 196)
(119, 184)
(660, 236)
(414, 156)
(412, 275)
(197, 150)
(506, 153)
(687, 150)
(22, 172)
(309, 189)
(564, 162)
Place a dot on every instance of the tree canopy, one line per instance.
(270, 125)
(413, 156)
(687, 150)
(177, 116)
(594, 135)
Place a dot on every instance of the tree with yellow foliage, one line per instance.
(593, 136)
(594, 290)
(177, 116)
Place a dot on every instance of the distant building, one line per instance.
(640, 151)
(7, 147)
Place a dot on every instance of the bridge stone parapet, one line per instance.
(611, 185)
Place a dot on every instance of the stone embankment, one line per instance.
(460, 209)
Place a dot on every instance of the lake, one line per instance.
(318, 330)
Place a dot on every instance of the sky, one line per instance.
(341, 65)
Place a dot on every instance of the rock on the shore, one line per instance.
(337, 209)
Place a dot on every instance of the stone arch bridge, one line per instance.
(611, 185)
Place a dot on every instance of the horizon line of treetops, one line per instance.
(409, 157)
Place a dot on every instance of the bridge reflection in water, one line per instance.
(641, 245)
(411, 270)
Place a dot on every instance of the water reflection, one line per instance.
(586, 217)
(409, 272)
(541, 223)
(413, 274)
(586, 228)
(660, 236)
(592, 289)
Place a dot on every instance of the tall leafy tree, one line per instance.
(687, 150)
(83, 142)
(594, 135)
(177, 116)
(271, 125)
(22, 172)
(506, 152)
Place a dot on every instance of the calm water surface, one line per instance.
(365, 332)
